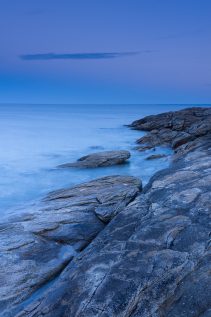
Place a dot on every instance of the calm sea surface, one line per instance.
(34, 139)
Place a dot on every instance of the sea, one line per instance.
(35, 139)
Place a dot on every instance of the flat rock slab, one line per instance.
(100, 159)
(37, 245)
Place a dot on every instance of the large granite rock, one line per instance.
(100, 159)
(151, 260)
(36, 246)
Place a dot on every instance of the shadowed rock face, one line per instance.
(151, 260)
(100, 159)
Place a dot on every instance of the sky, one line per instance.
(105, 51)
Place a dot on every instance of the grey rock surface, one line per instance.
(100, 159)
(155, 156)
(151, 256)
(36, 246)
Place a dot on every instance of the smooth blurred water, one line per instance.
(34, 139)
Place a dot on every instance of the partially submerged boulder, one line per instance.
(100, 159)
(155, 156)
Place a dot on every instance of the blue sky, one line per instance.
(105, 51)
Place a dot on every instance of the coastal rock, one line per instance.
(151, 260)
(36, 246)
(144, 148)
(100, 159)
(155, 156)
(174, 128)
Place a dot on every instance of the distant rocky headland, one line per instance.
(111, 248)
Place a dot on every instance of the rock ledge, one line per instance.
(100, 159)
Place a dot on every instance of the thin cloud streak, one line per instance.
(77, 56)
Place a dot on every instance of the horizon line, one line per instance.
(106, 104)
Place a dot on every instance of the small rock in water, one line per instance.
(144, 148)
(155, 156)
(100, 159)
(96, 147)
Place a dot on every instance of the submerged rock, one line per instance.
(96, 147)
(100, 159)
(144, 148)
(155, 156)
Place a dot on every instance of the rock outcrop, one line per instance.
(174, 128)
(100, 159)
(149, 255)
(36, 246)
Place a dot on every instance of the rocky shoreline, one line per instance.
(108, 248)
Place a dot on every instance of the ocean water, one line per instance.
(34, 139)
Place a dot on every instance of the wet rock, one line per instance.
(100, 159)
(181, 138)
(35, 248)
(155, 156)
(174, 129)
(173, 120)
(96, 147)
(144, 148)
